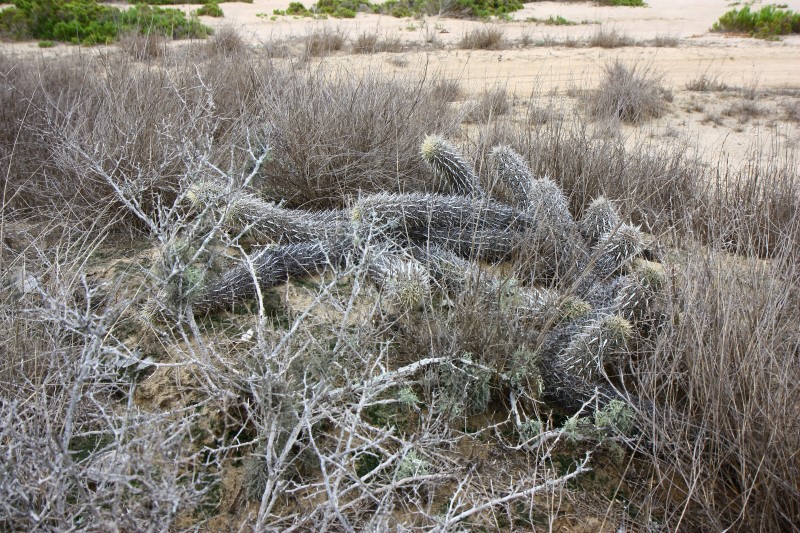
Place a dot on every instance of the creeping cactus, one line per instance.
(598, 293)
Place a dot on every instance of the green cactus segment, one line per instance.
(617, 249)
(487, 230)
(246, 212)
(404, 280)
(448, 164)
(458, 276)
(512, 174)
(599, 218)
(635, 295)
(549, 204)
(574, 356)
(272, 266)
(591, 344)
(412, 244)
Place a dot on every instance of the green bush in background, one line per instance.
(89, 22)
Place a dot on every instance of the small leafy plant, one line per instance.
(89, 22)
(767, 23)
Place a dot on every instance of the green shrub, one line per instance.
(176, 2)
(628, 3)
(46, 44)
(769, 21)
(88, 22)
(298, 9)
(170, 22)
(408, 8)
(211, 9)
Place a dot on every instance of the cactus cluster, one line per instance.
(595, 297)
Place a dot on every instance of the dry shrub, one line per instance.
(446, 90)
(792, 110)
(227, 41)
(369, 43)
(666, 41)
(744, 111)
(629, 93)
(491, 104)
(706, 83)
(325, 42)
(151, 45)
(335, 135)
(610, 39)
(58, 113)
(365, 43)
(726, 361)
(484, 38)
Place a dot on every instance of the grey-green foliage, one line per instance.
(450, 166)
(615, 414)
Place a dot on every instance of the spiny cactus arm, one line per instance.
(447, 163)
(488, 245)
(612, 252)
(473, 229)
(549, 204)
(246, 212)
(457, 275)
(513, 174)
(592, 343)
(417, 212)
(403, 279)
(617, 248)
(634, 296)
(599, 218)
(272, 266)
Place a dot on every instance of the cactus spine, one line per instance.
(449, 165)
(512, 174)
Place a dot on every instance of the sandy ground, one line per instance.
(553, 64)
(707, 121)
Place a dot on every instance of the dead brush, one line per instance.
(485, 38)
(227, 41)
(324, 42)
(371, 43)
(489, 105)
(151, 45)
(381, 121)
(706, 83)
(736, 383)
(610, 39)
(629, 93)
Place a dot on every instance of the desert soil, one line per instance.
(712, 123)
